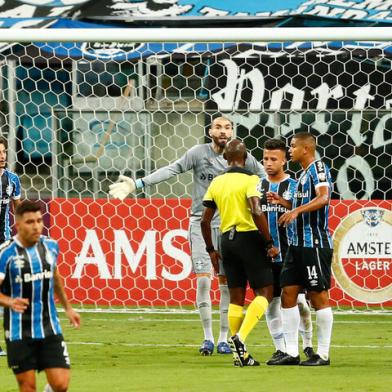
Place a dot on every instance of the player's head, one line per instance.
(29, 222)
(302, 147)
(274, 156)
(3, 152)
(235, 152)
(221, 131)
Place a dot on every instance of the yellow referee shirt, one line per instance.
(229, 192)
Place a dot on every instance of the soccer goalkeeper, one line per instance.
(206, 162)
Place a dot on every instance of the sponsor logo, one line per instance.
(372, 217)
(110, 50)
(300, 195)
(273, 208)
(363, 255)
(304, 179)
(27, 278)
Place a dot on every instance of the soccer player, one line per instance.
(309, 256)
(206, 162)
(245, 241)
(28, 281)
(10, 194)
(276, 185)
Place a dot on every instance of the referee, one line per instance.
(246, 245)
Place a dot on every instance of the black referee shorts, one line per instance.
(307, 267)
(37, 354)
(245, 260)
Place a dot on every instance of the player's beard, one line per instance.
(221, 143)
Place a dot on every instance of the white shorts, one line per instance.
(200, 258)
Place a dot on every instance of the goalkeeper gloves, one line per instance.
(124, 186)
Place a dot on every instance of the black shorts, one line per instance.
(307, 267)
(245, 260)
(37, 354)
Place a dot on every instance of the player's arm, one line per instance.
(209, 210)
(15, 203)
(275, 198)
(262, 225)
(321, 200)
(16, 304)
(72, 315)
(126, 185)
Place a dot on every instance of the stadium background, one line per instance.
(59, 99)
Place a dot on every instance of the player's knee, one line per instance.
(288, 299)
(27, 386)
(60, 385)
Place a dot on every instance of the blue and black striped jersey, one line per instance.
(310, 229)
(281, 235)
(9, 190)
(28, 273)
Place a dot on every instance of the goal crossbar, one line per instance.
(199, 34)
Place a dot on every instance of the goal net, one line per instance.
(78, 114)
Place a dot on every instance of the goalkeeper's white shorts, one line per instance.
(200, 258)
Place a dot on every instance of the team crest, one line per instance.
(372, 217)
(322, 177)
(287, 195)
(49, 258)
(304, 179)
(259, 188)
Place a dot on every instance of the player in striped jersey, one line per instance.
(276, 186)
(309, 256)
(28, 281)
(9, 194)
(206, 162)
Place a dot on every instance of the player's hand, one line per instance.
(215, 256)
(74, 317)
(122, 188)
(287, 218)
(273, 252)
(19, 304)
(273, 198)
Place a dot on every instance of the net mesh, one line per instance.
(78, 115)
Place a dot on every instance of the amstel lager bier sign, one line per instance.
(363, 255)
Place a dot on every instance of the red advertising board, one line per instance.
(136, 252)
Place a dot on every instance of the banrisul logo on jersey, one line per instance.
(363, 255)
(110, 50)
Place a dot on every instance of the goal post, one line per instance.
(79, 107)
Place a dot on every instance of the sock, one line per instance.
(253, 314)
(290, 323)
(203, 301)
(223, 310)
(305, 325)
(273, 317)
(235, 316)
(324, 319)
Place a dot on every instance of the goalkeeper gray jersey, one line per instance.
(206, 164)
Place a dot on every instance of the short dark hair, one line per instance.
(305, 136)
(275, 144)
(27, 206)
(3, 141)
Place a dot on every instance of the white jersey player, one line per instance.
(206, 161)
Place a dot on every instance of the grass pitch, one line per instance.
(159, 352)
